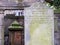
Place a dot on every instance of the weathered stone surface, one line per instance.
(0, 42)
(39, 20)
(1, 35)
(1, 32)
(1, 19)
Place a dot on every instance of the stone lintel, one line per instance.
(12, 7)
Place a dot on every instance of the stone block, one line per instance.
(1, 19)
(2, 32)
(0, 42)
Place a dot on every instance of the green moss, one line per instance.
(57, 11)
(15, 24)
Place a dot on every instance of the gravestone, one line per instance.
(39, 25)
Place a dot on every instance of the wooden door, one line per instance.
(16, 38)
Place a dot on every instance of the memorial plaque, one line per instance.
(39, 22)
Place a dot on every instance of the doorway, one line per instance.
(14, 30)
(16, 34)
(16, 37)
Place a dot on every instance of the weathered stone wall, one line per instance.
(57, 29)
(39, 25)
(1, 27)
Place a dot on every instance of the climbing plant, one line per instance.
(55, 3)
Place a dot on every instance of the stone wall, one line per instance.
(1, 27)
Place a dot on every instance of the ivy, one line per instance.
(55, 3)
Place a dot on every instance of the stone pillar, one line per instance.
(55, 23)
(56, 31)
(1, 27)
(39, 20)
